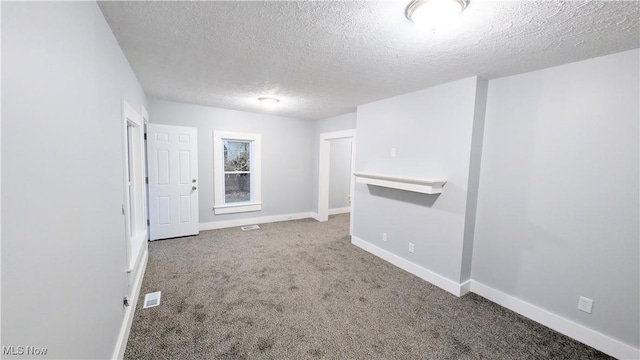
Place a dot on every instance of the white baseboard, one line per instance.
(251, 221)
(565, 326)
(337, 211)
(465, 287)
(123, 336)
(315, 216)
(562, 325)
(417, 270)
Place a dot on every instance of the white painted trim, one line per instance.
(352, 189)
(315, 216)
(123, 336)
(131, 117)
(138, 251)
(465, 287)
(241, 207)
(417, 270)
(343, 134)
(565, 326)
(1, 158)
(250, 221)
(419, 185)
(558, 323)
(218, 171)
(145, 119)
(337, 211)
(145, 114)
(324, 167)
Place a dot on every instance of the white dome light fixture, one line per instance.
(268, 101)
(433, 13)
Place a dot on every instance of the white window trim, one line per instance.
(255, 204)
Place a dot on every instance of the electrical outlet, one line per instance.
(384, 236)
(411, 248)
(393, 152)
(585, 304)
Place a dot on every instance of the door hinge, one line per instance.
(122, 209)
(145, 136)
(148, 222)
(146, 179)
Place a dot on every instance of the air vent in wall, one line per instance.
(250, 227)
(151, 300)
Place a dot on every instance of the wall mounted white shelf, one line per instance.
(419, 185)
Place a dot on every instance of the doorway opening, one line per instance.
(325, 171)
(134, 208)
(340, 176)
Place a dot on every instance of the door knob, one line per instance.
(194, 180)
(194, 187)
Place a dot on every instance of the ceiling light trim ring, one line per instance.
(413, 5)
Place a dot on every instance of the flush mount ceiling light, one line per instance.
(268, 101)
(433, 13)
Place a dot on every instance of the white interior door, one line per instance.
(173, 181)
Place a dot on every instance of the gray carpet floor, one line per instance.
(300, 290)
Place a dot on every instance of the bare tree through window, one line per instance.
(237, 171)
(236, 162)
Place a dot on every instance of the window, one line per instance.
(236, 162)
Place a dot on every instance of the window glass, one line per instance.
(237, 155)
(237, 187)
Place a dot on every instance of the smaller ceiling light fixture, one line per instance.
(433, 13)
(268, 101)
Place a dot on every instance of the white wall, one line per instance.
(63, 244)
(286, 151)
(558, 205)
(339, 173)
(335, 123)
(432, 131)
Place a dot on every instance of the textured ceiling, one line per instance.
(324, 58)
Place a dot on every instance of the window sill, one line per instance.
(237, 208)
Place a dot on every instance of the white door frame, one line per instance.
(325, 168)
(136, 230)
(145, 165)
